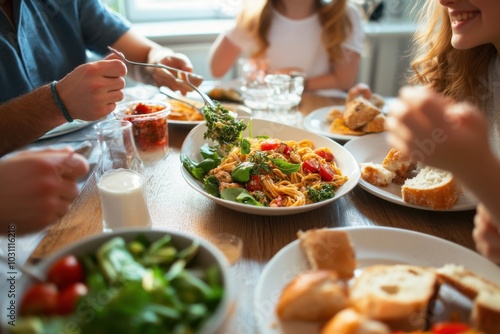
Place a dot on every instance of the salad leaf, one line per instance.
(239, 195)
(284, 166)
(242, 172)
(211, 185)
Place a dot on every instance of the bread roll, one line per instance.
(400, 164)
(398, 295)
(348, 321)
(376, 174)
(358, 112)
(329, 249)
(375, 125)
(431, 187)
(485, 314)
(312, 296)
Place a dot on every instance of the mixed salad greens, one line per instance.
(134, 287)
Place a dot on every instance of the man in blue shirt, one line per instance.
(44, 75)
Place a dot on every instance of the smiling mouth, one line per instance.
(460, 17)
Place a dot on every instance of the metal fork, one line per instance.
(184, 77)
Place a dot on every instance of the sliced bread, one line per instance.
(431, 187)
(465, 281)
(485, 314)
(348, 321)
(358, 112)
(313, 296)
(329, 249)
(398, 295)
(376, 174)
(400, 164)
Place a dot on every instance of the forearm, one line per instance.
(27, 118)
(328, 81)
(482, 178)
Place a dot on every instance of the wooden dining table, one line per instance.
(176, 206)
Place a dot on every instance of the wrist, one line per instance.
(59, 102)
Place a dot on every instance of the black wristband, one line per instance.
(59, 102)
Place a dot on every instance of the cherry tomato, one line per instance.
(326, 172)
(39, 299)
(269, 145)
(65, 272)
(67, 298)
(449, 328)
(310, 166)
(325, 154)
(287, 150)
(254, 183)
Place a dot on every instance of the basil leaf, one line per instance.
(245, 146)
(239, 195)
(242, 172)
(211, 185)
(192, 167)
(209, 152)
(285, 166)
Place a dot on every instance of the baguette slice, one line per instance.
(465, 281)
(397, 295)
(376, 174)
(348, 321)
(431, 187)
(485, 314)
(329, 249)
(313, 296)
(375, 125)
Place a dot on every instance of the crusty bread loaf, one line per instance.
(329, 249)
(400, 164)
(465, 281)
(376, 174)
(485, 314)
(398, 295)
(358, 112)
(348, 321)
(431, 187)
(312, 296)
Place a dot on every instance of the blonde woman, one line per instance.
(454, 122)
(323, 40)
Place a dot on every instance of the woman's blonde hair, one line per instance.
(255, 18)
(459, 74)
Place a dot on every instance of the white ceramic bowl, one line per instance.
(344, 159)
(207, 255)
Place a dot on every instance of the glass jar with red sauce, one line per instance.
(149, 127)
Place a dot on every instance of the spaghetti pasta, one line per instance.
(281, 173)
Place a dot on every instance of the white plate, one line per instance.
(316, 122)
(345, 161)
(373, 245)
(374, 148)
(66, 128)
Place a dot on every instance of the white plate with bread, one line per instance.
(373, 149)
(381, 274)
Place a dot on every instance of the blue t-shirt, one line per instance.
(50, 38)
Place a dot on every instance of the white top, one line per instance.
(297, 43)
(492, 105)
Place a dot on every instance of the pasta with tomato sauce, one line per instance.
(280, 173)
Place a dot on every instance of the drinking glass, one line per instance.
(119, 177)
(282, 103)
(150, 127)
(254, 90)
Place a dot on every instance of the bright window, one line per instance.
(172, 10)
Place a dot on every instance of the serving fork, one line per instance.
(182, 75)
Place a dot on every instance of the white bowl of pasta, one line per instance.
(283, 170)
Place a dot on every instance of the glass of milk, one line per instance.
(119, 177)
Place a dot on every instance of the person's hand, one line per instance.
(433, 130)
(486, 234)
(38, 187)
(176, 81)
(92, 90)
(360, 89)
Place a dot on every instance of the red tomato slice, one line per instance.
(65, 272)
(254, 183)
(325, 154)
(66, 300)
(310, 166)
(269, 145)
(326, 172)
(39, 299)
(450, 328)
